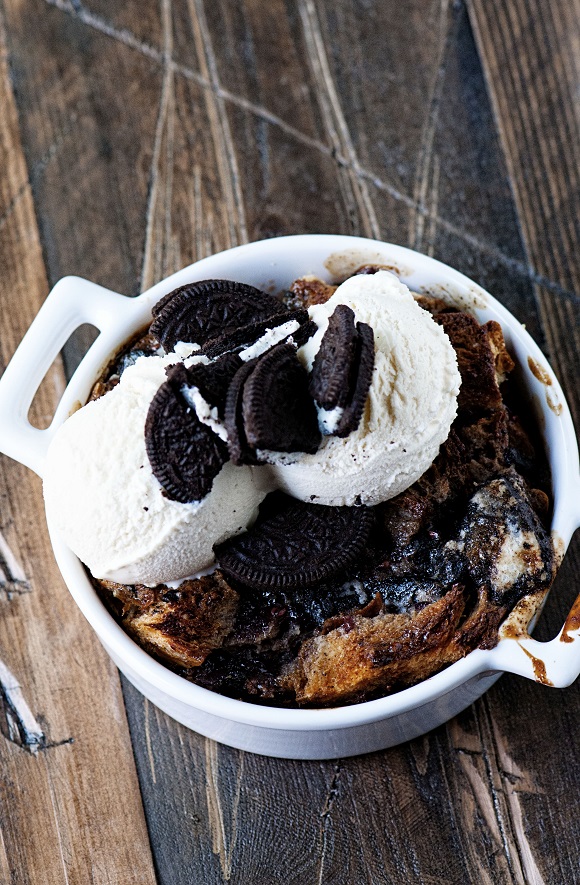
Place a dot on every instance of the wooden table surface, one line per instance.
(137, 137)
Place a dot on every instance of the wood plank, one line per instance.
(364, 135)
(529, 51)
(70, 809)
(533, 743)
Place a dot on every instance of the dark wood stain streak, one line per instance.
(535, 146)
(556, 83)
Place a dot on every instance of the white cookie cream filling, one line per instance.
(269, 339)
(207, 414)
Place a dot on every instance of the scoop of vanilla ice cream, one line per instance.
(409, 410)
(103, 498)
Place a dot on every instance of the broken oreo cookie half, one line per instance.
(184, 454)
(269, 407)
(208, 309)
(334, 366)
(244, 336)
(277, 410)
(365, 359)
(211, 379)
(239, 450)
(293, 544)
(342, 371)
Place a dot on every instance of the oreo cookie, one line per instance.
(278, 412)
(212, 379)
(304, 333)
(200, 311)
(334, 367)
(239, 450)
(178, 377)
(293, 544)
(343, 367)
(365, 361)
(185, 455)
(244, 336)
(268, 406)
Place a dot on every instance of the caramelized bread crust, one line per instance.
(181, 626)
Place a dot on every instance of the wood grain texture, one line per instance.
(160, 131)
(70, 808)
(530, 53)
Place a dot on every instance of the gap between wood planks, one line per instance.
(350, 163)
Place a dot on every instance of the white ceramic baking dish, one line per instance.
(300, 734)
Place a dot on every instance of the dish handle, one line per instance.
(555, 663)
(72, 302)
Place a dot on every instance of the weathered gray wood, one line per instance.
(158, 132)
(530, 56)
(70, 809)
(529, 52)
